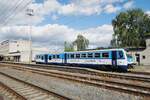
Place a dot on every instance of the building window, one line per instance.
(143, 57)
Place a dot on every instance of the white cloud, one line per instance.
(55, 9)
(128, 4)
(54, 17)
(110, 8)
(148, 12)
(54, 35)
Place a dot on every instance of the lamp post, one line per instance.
(30, 13)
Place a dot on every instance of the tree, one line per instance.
(130, 27)
(81, 42)
(68, 47)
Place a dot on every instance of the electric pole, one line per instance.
(30, 13)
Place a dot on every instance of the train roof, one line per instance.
(42, 54)
(84, 51)
(97, 50)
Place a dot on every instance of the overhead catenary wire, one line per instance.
(6, 8)
(12, 15)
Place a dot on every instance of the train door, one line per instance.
(65, 58)
(114, 58)
(46, 58)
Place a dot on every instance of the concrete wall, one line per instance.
(4, 47)
(145, 55)
(20, 45)
(20, 50)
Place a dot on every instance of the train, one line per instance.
(106, 58)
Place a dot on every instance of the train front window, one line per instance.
(120, 55)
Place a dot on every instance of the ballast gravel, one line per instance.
(74, 90)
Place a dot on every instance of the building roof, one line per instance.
(135, 49)
(147, 36)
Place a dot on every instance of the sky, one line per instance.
(56, 21)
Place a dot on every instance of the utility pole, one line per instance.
(30, 13)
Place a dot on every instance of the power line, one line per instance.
(5, 8)
(15, 9)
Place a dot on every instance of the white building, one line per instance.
(19, 50)
(142, 55)
(145, 55)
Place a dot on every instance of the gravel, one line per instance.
(75, 90)
(141, 68)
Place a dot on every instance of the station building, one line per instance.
(141, 55)
(19, 51)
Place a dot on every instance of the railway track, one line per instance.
(140, 73)
(96, 80)
(16, 89)
(136, 76)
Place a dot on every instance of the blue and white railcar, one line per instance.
(115, 58)
(112, 58)
(41, 59)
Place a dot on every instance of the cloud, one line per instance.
(54, 35)
(128, 4)
(148, 12)
(55, 9)
(111, 9)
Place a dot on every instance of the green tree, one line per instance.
(68, 47)
(130, 27)
(81, 42)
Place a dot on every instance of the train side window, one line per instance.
(120, 54)
(58, 56)
(97, 55)
(42, 57)
(68, 55)
(50, 58)
(71, 55)
(77, 55)
(54, 56)
(105, 55)
(90, 55)
(83, 55)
